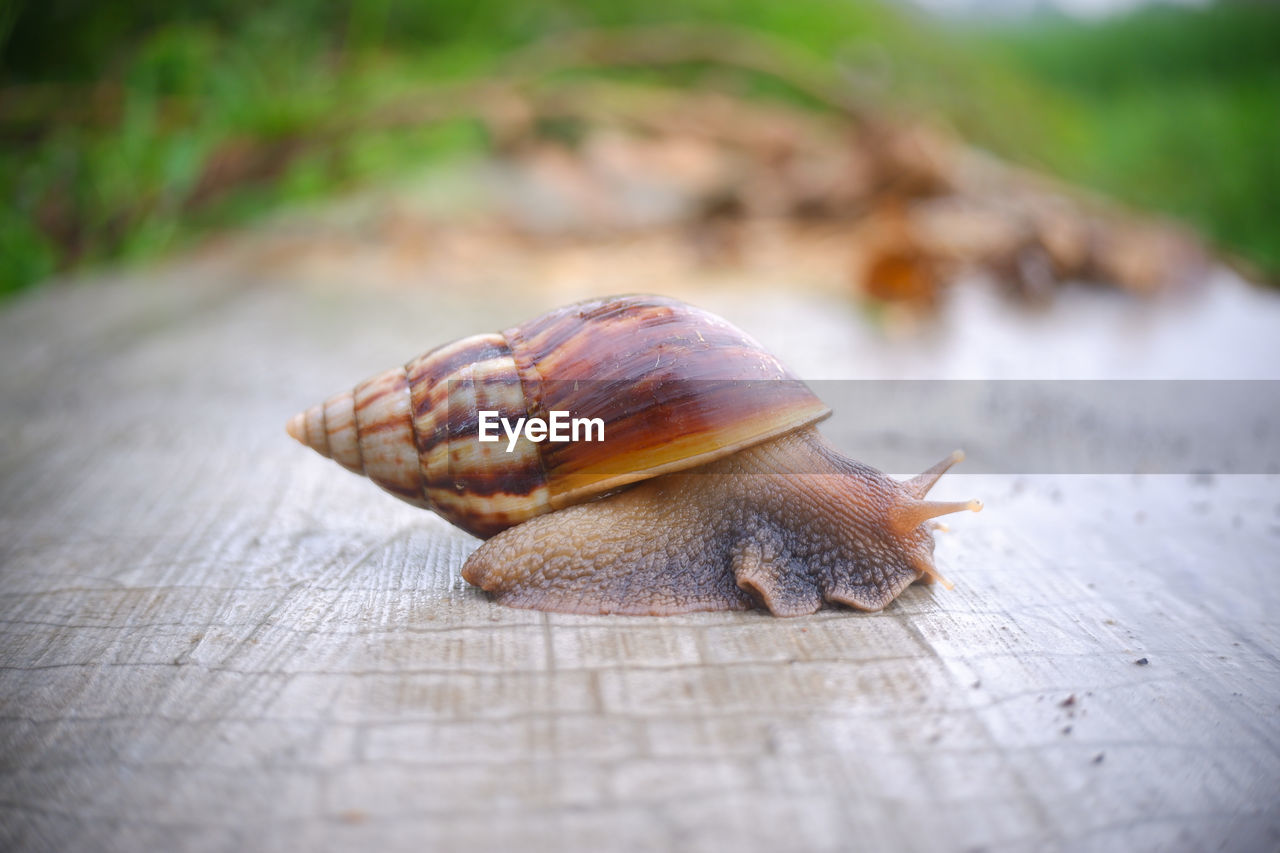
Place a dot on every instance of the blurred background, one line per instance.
(911, 142)
(219, 213)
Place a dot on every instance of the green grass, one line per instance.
(126, 129)
(1174, 110)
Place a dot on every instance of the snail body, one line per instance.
(711, 490)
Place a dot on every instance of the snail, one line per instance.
(711, 489)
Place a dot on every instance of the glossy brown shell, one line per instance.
(675, 386)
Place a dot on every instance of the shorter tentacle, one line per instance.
(921, 483)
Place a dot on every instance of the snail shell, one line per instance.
(742, 503)
(667, 380)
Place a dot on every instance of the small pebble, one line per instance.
(1142, 661)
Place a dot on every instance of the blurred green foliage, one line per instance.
(127, 127)
(1172, 109)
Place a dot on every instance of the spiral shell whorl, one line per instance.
(384, 424)
(338, 416)
(368, 430)
(482, 488)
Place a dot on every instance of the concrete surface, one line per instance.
(213, 639)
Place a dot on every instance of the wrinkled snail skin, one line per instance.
(742, 532)
(713, 489)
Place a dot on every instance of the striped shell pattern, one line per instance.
(675, 387)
